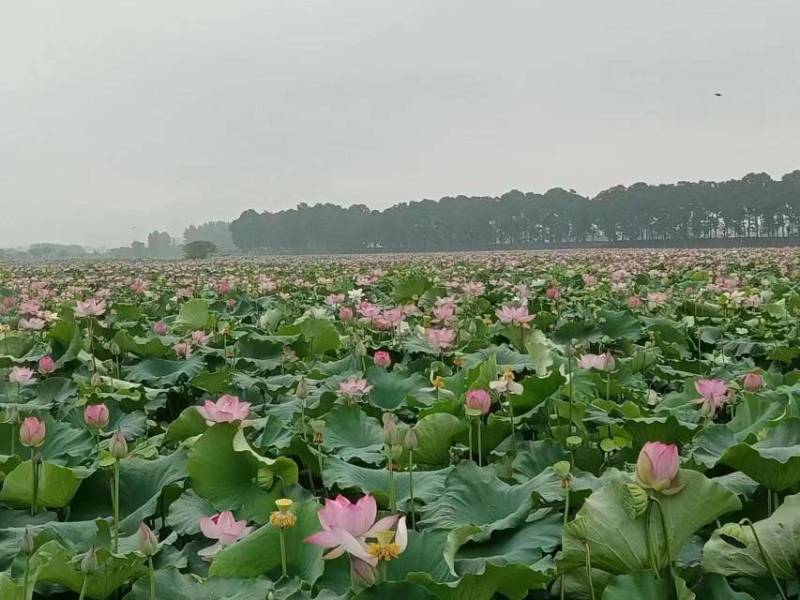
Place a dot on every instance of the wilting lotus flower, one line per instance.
(516, 315)
(657, 468)
(32, 432)
(226, 409)
(479, 400)
(506, 383)
(440, 339)
(753, 382)
(354, 387)
(224, 528)
(90, 308)
(95, 416)
(46, 365)
(382, 359)
(600, 362)
(714, 394)
(346, 526)
(160, 327)
(21, 375)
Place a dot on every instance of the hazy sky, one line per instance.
(118, 117)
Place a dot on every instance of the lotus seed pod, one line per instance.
(119, 445)
(89, 562)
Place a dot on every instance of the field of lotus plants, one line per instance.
(591, 425)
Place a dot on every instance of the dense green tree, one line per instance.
(755, 206)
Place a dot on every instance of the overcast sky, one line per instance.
(119, 117)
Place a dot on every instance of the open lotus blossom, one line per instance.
(440, 339)
(714, 394)
(182, 349)
(21, 375)
(599, 362)
(139, 286)
(90, 308)
(347, 527)
(657, 468)
(32, 324)
(224, 528)
(506, 383)
(227, 409)
(354, 387)
(200, 337)
(515, 315)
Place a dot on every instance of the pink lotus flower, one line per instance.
(395, 316)
(553, 293)
(46, 365)
(444, 312)
(714, 394)
(29, 307)
(753, 382)
(382, 359)
(633, 302)
(589, 280)
(227, 409)
(657, 468)
(479, 400)
(200, 337)
(21, 375)
(346, 526)
(95, 416)
(224, 528)
(657, 298)
(599, 362)
(516, 315)
(223, 287)
(32, 432)
(139, 286)
(334, 299)
(182, 349)
(32, 324)
(473, 289)
(345, 314)
(440, 339)
(90, 308)
(354, 387)
(160, 328)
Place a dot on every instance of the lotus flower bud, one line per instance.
(96, 416)
(634, 500)
(96, 380)
(160, 328)
(115, 349)
(119, 445)
(391, 431)
(89, 562)
(478, 402)
(657, 467)
(47, 365)
(147, 541)
(301, 391)
(382, 359)
(363, 574)
(32, 432)
(410, 440)
(345, 314)
(753, 382)
(26, 543)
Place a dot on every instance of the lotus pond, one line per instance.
(604, 425)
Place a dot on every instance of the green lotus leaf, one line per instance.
(186, 587)
(57, 485)
(773, 462)
(351, 434)
(163, 373)
(644, 585)
(390, 388)
(192, 315)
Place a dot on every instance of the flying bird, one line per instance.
(717, 94)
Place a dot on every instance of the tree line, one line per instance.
(755, 206)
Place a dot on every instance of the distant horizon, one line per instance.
(179, 236)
